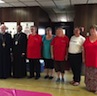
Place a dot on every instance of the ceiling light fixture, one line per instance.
(2, 1)
(63, 19)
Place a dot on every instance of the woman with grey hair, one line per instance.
(59, 53)
(34, 52)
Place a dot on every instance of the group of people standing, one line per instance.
(54, 49)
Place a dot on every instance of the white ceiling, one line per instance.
(44, 3)
(51, 6)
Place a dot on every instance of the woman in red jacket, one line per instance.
(34, 52)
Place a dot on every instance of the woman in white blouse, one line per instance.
(75, 55)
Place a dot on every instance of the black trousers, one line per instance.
(34, 66)
(76, 65)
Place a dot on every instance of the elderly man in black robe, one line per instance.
(19, 53)
(5, 52)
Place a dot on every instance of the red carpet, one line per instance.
(12, 92)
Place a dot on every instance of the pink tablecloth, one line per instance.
(14, 92)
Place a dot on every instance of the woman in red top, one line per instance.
(90, 59)
(59, 47)
(34, 52)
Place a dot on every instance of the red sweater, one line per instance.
(34, 46)
(90, 53)
(60, 45)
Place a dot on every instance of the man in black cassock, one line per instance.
(5, 53)
(19, 53)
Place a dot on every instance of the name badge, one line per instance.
(3, 44)
(16, 42)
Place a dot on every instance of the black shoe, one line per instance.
(63, 80)
(51, 77)
(29, 77)
(36, 78)
(58, 80)
(47, 76)
(3, 77)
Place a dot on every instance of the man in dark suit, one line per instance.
(19, 53)
(5, 53)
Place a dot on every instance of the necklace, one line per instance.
(3, 40)
(17, 39)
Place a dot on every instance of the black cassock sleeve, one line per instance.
(24, 43)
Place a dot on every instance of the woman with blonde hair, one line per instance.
(59, 50)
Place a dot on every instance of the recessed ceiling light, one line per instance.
(2, 1)
(63, 19)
